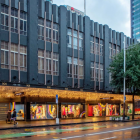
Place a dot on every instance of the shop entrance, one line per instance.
(4, 107)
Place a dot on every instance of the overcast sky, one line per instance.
(115, 13)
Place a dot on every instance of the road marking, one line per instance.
(108, 138)
(104, 132)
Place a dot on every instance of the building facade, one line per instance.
(46, 46)
(135, 19)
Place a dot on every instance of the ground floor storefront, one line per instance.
(40, 104)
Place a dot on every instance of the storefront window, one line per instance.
(19, 110)
(72, 111)
(128, 109)
(43, 111)
(103, 110)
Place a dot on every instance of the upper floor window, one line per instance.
(41, 29)
(118, 49)
(55, 64)
(81, 41)
(23, 58)
(92, 71)
(75, 66)
(69, 35)
(101, 47)
(101, 73)
(81, 69)
(14, 56)
(48, 31)
(55, 33)
(97, 46)
(114, 50)
(75, 39)
(97, 71)
(4, 55)
(40, 61)
(69, 61)
(4, 18)
(23, 23)
(110, 50)
(48, 63)
(14, 20)
(92, 45)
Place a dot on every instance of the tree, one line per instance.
(132, 73)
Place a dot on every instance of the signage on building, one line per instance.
(73, 10)
(56, 98)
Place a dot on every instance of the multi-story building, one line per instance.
(48, 50)
(135, 19)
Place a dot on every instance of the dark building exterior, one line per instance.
(135, 19)
(46, 46)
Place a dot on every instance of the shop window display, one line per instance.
(39, 111)
(72, 111)
(128, 109)
(137, 107)
(19, 109)
(103, 110)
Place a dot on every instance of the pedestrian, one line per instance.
(14, 116)
(8, 116)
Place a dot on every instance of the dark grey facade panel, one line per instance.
(135, 41)
(101, 60)
(75, 53)
(23, 40)
(75, 21)
(92, 28)
(106, 57)
(69, 19)
(4, 75)
(55, 13)
(87, 52)
(117, 36)
(80, 22)
(110, 35)
(92, 84)
(55, 80)
(41, 8)
(101, 86)
(6, 2)
(48, 46)
(32, 51)
(4, 35)
(75, 83)
(14, 38)
(81, 83)
(41, 44)
(48, 9)
(14, 76)
(23, 5)
(14, 4)
(55, 48)
(48, 80)
(131, 41)
(101, 31)
(81, 54)
(92, 56)
(114, 37)
(23, 77)
(69, 52)
(69, 82)
(41, 79)
(97, 59)
(62, 46)
(96, 29)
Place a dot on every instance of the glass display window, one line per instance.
(72, 111)
(19, 110)
(43, 111)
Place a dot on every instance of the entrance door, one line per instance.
(4, 107)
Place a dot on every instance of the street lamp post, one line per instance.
(124, 85)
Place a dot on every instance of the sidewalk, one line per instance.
(50, 123)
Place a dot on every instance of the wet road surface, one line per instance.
(92, 131)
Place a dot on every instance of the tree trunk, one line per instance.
(133, 112)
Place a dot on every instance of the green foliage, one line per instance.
(132, 73)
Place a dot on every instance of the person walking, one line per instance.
(14, 116)
(8, 116)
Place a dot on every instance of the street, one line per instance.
(90, 131)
